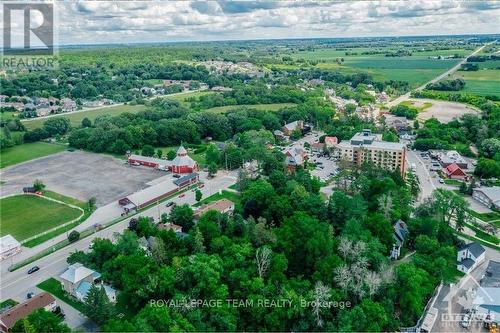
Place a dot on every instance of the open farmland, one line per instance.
(484, 82)
(24, 216)
(27, 152)
(77, 117)
(80, 175)
(416, 69)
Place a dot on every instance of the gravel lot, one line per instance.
(442, 110)
(79, 175)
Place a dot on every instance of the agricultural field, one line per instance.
(24, 216)
(416, 69)
(28, 151)
(77, 117)
(484, 82)
(267, 107)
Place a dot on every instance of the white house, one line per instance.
(9, 246)
(469, 257)
(78, 279)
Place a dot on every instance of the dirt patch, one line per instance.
(80, 175)
(442, 110)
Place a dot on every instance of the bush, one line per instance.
(73, 236)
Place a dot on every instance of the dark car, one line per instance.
(171, 203)
(176, 176)
(33, 269)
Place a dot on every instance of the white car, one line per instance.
(441, 180)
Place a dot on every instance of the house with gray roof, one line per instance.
(470, 256)
(487, 196)
(400, 234)
(78, 279)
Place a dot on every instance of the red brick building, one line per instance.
(182, 163)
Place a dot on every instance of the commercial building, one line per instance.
(452, 157)
(9, 246)
(41, 301)
(488, 196)
(222, 206)
(182, 163)
(469, 257)
(367, 147)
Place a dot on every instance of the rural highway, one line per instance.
(450, 71)
(16, 284)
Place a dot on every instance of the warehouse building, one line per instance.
(156, 192)
(182, 163)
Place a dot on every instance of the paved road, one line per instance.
(16, 284)
(452, 70)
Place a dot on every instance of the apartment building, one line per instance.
(368, 147)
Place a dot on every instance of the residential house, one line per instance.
(223, 206)
(470, 256)
(331, 141)
(318, 147)
(170, 226)
(488, 196)
(450, 157)
(251, 169)
(41, 301)
(280, 135)
(78, 279)
(400, 234)
(8, 247)
(294, 158)
(453, 171)
(68, 105)
(289, 128)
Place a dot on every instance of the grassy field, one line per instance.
(77, 117)
(183, 97)
(416, 69)
(234, 197)
(24, 216)
(267, 107)
(52, 286)
(27, 152)
(482, 82)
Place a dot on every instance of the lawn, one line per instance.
(182, 97)
(234, 197)
(452, 182)
(266, 107)
(27, 152)
(24, 216)
(54, 287)
(486, 217)
(77, 117)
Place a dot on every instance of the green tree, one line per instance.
(148, 150)
(171, 155)
(198, 195)
(38, 185)
(182, 215)
(91, 203)
(212, 169)
(73, 236)
(86, 122)
(97, 305)
(41, 321)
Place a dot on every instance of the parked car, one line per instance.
(465, 322)
(441, 180)
(182, 195)
(33, 269)
(170, 203)
(176, 176)
(30, 295)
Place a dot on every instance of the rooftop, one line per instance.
(7, 243)
(149, 159)
(10, 317)
(219, 205)
(76, 273)
(475, 248)
(491, 192)
(492, 275)
(183, 179)
(152, 192)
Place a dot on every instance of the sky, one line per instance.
(98, 22)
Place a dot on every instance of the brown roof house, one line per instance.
(222, 206)
(41, 301)
(453, 171)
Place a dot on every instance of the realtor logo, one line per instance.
(28, 27)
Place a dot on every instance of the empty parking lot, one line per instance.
(79, 175)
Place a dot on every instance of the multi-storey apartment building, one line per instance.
(368, 147)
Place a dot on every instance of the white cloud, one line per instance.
(90, 22)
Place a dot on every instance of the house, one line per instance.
(486, 300)
(182, 163)
(169, 226)
(488, 196)
(289, 128)
(453, 171)
(68, 105)
(41, 301)
(280, 135)
(331, 141)
(223, 206)
(450, 157)
(470, 256)
(8, 247)
(77, 280)
(295, 157)
(400, 233)
(318, 147)
(396, 122)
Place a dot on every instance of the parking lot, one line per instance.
(80, 175)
